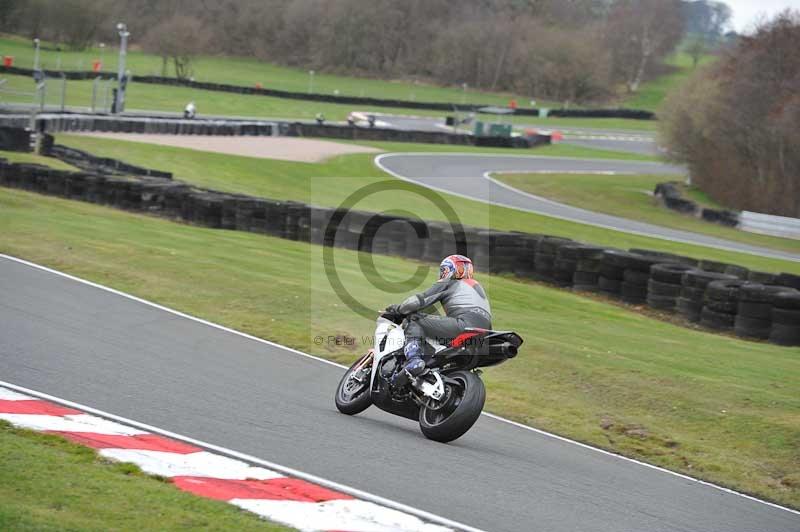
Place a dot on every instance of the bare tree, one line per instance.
(696, 49)
(735, 122)
(640, 33)
(179, 39)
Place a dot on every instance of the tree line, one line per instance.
(736, 122)
(563, 50)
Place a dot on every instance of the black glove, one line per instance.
(392, 309)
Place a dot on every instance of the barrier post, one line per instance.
(63, 91)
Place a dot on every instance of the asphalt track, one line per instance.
(639, 142)
(92, 346)
(466, 175)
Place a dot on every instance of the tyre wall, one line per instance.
(716, 296)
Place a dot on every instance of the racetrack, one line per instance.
(110, 352)
(467, 175)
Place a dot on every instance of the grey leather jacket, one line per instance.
(458, 297)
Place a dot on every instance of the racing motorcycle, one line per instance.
(446, 398)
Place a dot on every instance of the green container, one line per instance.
(478, 128)
(500, 130)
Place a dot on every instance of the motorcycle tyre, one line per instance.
(357, 405)
(465, 415)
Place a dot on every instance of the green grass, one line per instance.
(248, 71)
(652, 93)
(705, 404)
(628, 196)
(329, 183)
(48, 483)
(140, 96)
(32, 158)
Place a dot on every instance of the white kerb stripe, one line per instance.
(351, 515)
(8, 395)
(71, 423)
(199, 464)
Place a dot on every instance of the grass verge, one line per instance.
(629, 196)
(330, 182)
(247, 71)
(652, 93)
(48, 483)
(708, 405)
(141, 96)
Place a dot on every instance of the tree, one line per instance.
(180, 39)
(734, 123)
(640, 33)
(696, 49)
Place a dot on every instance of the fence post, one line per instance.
(63, 91)
(41, 88)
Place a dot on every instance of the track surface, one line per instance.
(640, 142)
(465, 175)
(88, 345)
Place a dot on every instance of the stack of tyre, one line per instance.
(691, 303)
(722, 303)
(587, 268)
(786, 318)
(722, 267)
(665, 287)
(566, 263)
(754, 318)
(612, 272)
(545, 260)
(524, 264)
(636, 279)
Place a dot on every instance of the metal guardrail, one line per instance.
(767, 224)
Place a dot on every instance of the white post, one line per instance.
(310, 81)
(36, 54)
(123, 52)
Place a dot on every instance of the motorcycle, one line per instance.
(446, 398)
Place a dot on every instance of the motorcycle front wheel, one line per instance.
(459, 409)
(352, 394)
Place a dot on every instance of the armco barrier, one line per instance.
(298, 129)
(66, 122)
(667, 283)
(634, 114)
(769, 225)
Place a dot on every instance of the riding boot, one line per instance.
(414, 364)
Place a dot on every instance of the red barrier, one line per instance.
(97, 66)
(8, 61)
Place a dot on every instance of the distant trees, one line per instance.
(640, 33)
(567, 50)
(178, 39)
(735, 122)
(707, 19)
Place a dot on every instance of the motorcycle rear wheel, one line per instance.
(446, 420)
(353, 397)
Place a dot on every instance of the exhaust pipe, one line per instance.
(505, 349)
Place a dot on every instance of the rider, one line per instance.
(464, 302)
